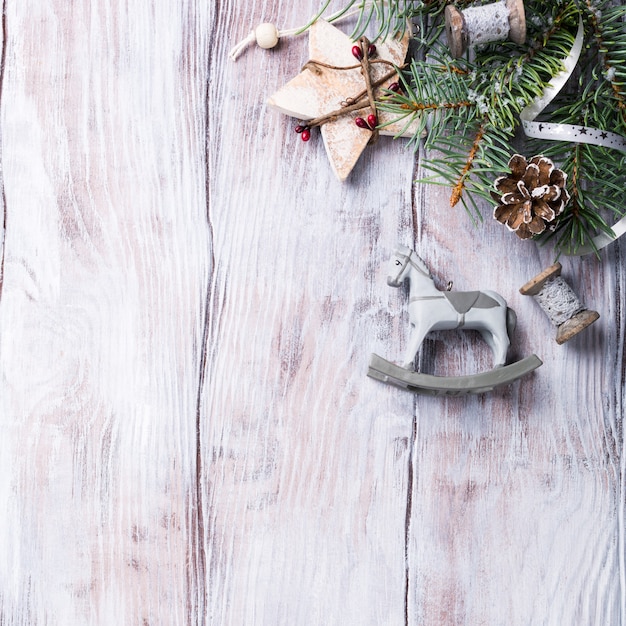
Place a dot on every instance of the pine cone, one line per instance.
(531, 196)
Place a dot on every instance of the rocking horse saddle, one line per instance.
(463, 301)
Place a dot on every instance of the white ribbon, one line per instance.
(568, 132)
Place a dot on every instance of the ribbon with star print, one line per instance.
(568, 132)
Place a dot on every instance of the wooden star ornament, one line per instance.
(334, 81)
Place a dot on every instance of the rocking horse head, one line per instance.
(402, 262)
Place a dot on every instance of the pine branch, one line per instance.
(596, 181)
(436, 94)
(470, 109)
(459, 187)
(388, 17)
(607, 27)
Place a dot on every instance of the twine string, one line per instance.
(364, 98)
(238, 48)
(339, 16)
(376, 83)
(333, 115)
(365, 70)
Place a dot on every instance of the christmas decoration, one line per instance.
(560, 303)
(472, 106)
(335, 93)
(431, 309)
(484, 24)
(267, 35)
(531, 196)
(576, 133)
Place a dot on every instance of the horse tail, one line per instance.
(511, 321)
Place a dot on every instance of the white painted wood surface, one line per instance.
(189, 301)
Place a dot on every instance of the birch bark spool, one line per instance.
(574, 324)
(484, 24)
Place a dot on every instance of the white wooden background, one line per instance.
(188, 306)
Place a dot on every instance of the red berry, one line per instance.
(299, 128)
(372, 121)
(357, 53)
(306, 134)
(394, 87)
(371, 50)
(360, 122)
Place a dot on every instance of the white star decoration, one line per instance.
(319, 91)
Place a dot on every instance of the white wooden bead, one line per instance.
(266, 35)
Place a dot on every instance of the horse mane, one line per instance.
(418, 261)
(406, 251)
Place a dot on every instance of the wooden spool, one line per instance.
(577, 322)
(461, 34)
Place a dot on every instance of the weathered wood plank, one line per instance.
(517, 505)
(305, 459)
(101, 318)
(189, 305)
(514, 499)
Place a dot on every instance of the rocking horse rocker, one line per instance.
(432, 309)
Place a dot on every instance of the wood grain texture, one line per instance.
(305, 461)
(101, 320)
(188, 306)
(517, 506)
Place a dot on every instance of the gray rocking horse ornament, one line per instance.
(432, 309)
